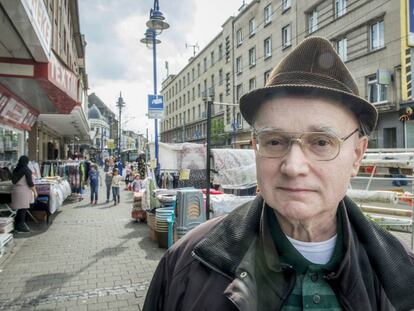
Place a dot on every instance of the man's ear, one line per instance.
(359, 152)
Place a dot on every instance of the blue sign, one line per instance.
(410, 22)
(155, 106)
(410, 15)
(155, 102)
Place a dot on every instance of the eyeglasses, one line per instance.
(320, 146)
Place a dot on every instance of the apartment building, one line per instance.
(209, 73)
(368, 35)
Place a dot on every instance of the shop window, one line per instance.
(11, 144)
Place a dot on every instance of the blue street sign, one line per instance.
(155, 102)
(155, 106)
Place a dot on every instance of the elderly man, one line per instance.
(301, 244)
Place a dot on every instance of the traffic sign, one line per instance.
(155, 106)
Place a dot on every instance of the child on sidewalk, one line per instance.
(108, 182)
(94, 180)
(116, 185)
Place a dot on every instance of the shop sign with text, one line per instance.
(37, 13)
(63, 78)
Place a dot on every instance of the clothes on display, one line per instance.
(197, 179)
(167, 179)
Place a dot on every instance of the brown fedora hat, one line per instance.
(313, 67)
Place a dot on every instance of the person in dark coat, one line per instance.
(23, 192)
(301, 243)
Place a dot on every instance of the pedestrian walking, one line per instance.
(94, 182)
(301, 244)
(23, 192)
(108, 182)
(116, 186)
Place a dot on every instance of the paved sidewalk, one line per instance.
(88, 258)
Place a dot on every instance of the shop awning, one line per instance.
(47, 87)
(72, 125)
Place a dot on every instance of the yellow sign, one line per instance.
(111, 144)
(153, 164)
(185, 174)
(406, 87)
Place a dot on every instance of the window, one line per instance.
(193, 74)
(252, 84)
(286, 36)
(220, 51)
(212, 58)
(198, 69)
(340, 8)
(188, 97)
(377, 35)
(266, 76)
(342, 49)
(377, 93)
(239, 91)
(268, 14)
(252, 27)
(268, 47)
(193, 97)
(239, 37)
(193, 113)
(221, 100)
(239, 64)
(252, 56)
(205, 64)
(220, 76)
(184, 82)
(313, 21)
(286, 4)
(198, 90)
(188, 77)
(212, 81)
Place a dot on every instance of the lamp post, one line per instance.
(120, 104)
(156, 24)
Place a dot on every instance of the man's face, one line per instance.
(298, 187)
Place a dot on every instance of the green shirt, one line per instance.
(311, 290)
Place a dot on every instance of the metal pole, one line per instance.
(119, 133)
(154, 55)
(208, 146)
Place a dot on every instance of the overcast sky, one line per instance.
(116, 60)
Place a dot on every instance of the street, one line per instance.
(88, 258)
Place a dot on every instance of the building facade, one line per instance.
(43, 81)
(208, 74)
(368, 35)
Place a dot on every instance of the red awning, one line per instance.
(59, 83)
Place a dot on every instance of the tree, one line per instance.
(218, 135)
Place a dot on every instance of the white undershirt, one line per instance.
(316, 252)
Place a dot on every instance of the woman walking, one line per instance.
(23, 192)
(116, 184)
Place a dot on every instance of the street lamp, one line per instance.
(156, 25)
(120, 104)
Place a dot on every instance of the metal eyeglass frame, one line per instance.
(300, 142)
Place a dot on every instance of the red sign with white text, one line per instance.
(63, 78)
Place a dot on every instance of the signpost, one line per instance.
(155, 106)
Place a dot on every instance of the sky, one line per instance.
(116, 60)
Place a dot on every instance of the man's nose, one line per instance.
(295, 162)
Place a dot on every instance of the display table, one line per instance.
(56, 190)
